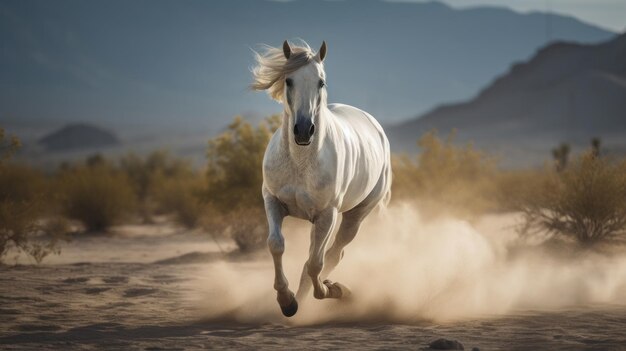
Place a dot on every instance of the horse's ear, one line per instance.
(322, 53)
(286, 49)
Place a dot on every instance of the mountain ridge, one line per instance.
(187, 66)
(567, 92)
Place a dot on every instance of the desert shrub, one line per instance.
(561, 156)
(8, 145)
(146, 175)
(235, 177)
(446, 177)
(23, 203)
(234, 171)
(514, 188)
(586, 201)
(182, 196)
(247, 227)
(99, 196)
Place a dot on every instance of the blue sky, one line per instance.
(609, 14)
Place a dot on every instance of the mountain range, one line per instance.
(568, 92)
(141, 66)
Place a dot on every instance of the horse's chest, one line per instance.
(303, 192)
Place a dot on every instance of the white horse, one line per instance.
(323, 161)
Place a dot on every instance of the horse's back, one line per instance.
(361, 121)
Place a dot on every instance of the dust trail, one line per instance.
(403, 269)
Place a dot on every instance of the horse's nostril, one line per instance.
(295, 129)
(312, 130)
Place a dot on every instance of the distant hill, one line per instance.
(78, 137)
(185, 64)
(567, 92)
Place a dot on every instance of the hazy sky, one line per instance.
(610, 14)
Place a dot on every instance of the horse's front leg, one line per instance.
(276, 212)
(320, 233)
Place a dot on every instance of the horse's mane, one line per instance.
(272, 67)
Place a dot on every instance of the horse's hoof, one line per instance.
(337, 290)
(291, 309)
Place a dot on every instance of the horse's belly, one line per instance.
(358, 189)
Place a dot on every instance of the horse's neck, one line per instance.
(304, 155)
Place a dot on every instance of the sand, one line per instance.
(161, 288)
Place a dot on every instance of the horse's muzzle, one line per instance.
(303, 132)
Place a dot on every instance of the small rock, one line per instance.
(445, 344)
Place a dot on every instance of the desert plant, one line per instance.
(23, 203)
(561, 156)
(514, 188)
(182, 196)
(446, 177)
(595, 147)
(587, 201)
(7, 147)
(235, 158)
(235, 177)
(146, 175)
(247, 227)
(98, 196)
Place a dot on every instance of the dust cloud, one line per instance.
(403, 269)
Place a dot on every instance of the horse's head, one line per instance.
(305, 92)
(294, 76)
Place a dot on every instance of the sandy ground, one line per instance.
(125, 292)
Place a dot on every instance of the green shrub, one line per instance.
(98, 196)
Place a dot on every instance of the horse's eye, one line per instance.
(289, 82)
(321, 84)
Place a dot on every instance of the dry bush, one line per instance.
(586, 201)
(182, 196)
(147, 175)
(24, 200)
(247, 227)
(515, 188)
(99, 196)
(235, 177)
(23, 203)
(235, 160)
(446, 178)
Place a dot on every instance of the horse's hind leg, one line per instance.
(350, 224)
(320, 233)
(347, 231)
(276, 243)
